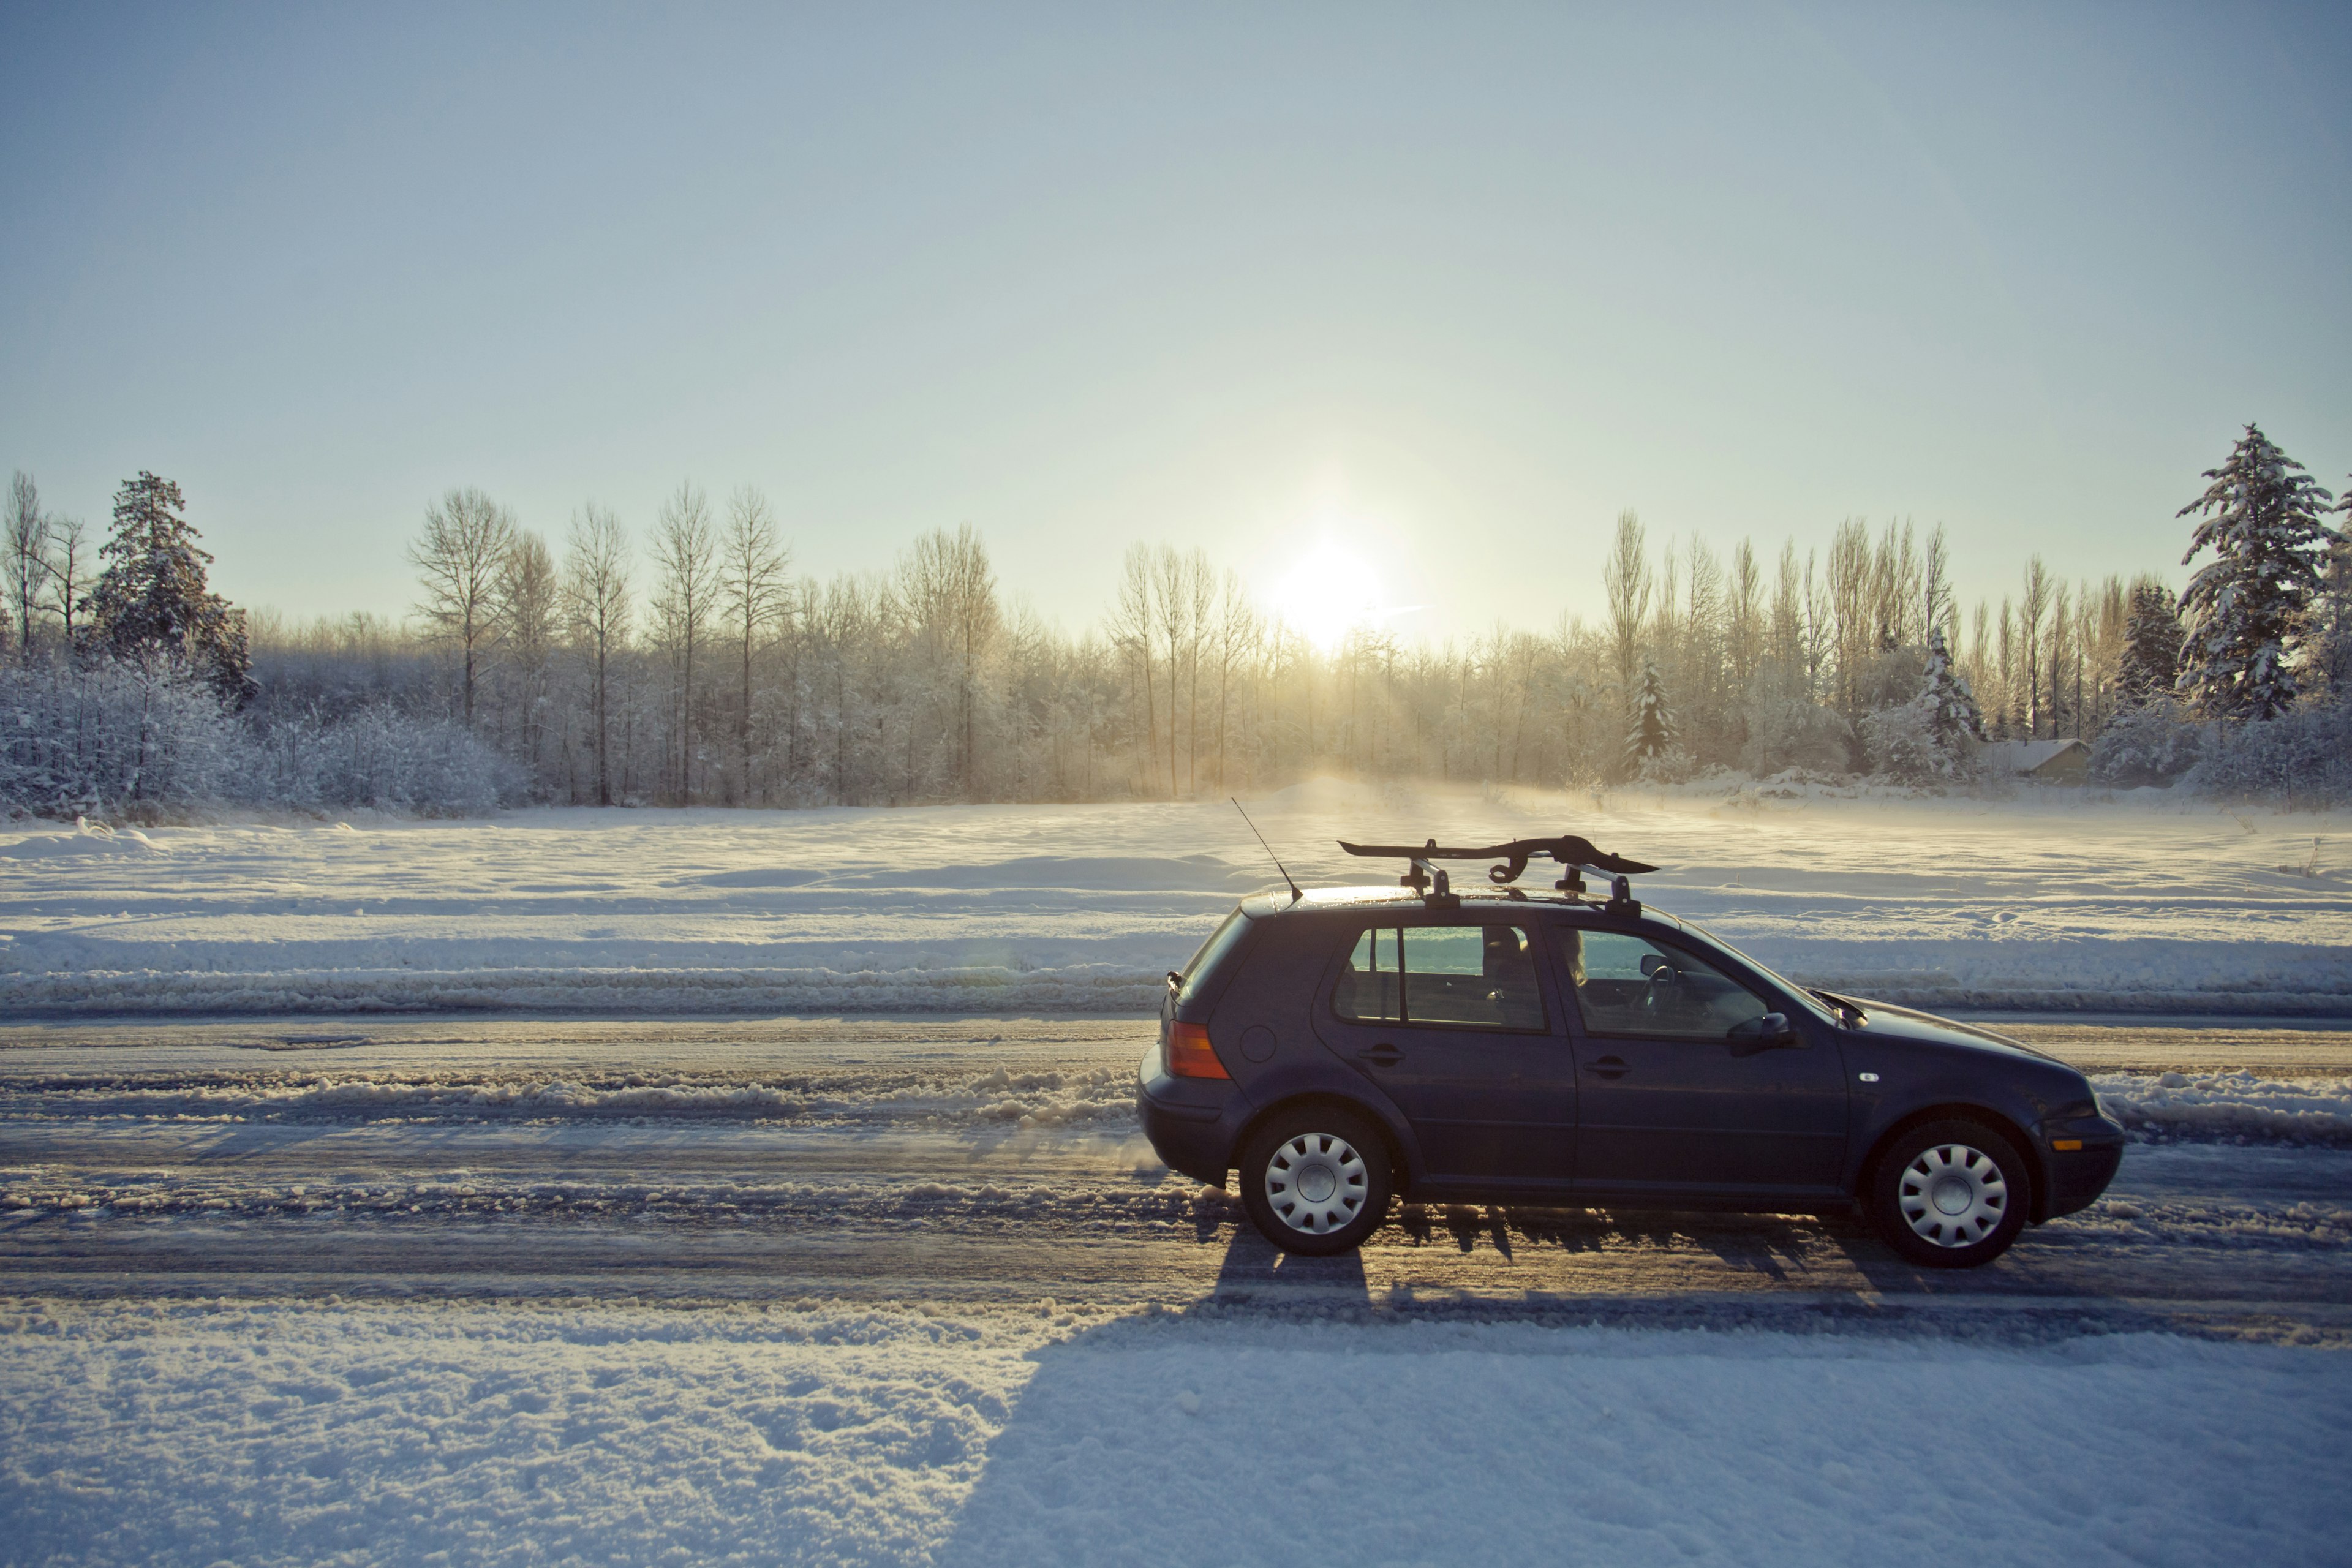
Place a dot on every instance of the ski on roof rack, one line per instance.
(1574, 853)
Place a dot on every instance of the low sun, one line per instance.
(1327, 593)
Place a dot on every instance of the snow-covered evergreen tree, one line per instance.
(2329, 637)
(2149, 743)
(2150, 661)
(1650, 733)
(1951, 705)
(1899, 742)
(2245, 610)
(150, 607)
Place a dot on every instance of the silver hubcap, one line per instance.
(1953, 1196)
(1316, 1182)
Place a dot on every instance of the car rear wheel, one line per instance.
(1316, 1180)
(1950, 1194)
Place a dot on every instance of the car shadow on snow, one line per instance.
(1828, 1252)
(1254, 1269)
(1786, 1248)
(1114, 1448)
(1101, 1457)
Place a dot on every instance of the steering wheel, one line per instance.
(1663, 994)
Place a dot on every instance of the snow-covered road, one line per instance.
(994, 1160)
(912, 1292)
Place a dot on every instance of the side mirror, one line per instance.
(1753, 1035)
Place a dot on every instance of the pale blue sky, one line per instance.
(1455, 282)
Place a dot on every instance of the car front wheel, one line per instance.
(1316, 1181)
(1950, 1194)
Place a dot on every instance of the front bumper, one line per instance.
(2082, 1154)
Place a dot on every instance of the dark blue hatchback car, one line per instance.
(1345, 1047)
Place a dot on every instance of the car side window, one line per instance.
(1371, 983)
(1477, 974)
(1481, 977)
(1627, 984)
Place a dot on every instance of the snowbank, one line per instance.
(2082, 903)
(276, 1434)
(2241, 1105)
(947, 1090)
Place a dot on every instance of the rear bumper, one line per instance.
(1191, 1123)
(2080, 1173)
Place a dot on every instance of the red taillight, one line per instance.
(1189, 1055)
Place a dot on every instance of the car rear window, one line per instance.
(1213, 953)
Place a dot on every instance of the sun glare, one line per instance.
(1330, 593)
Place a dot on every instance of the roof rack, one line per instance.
(1575, 854)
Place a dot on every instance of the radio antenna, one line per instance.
(1295, 894)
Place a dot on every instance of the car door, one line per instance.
(1456, 1023)
(1670, 1104)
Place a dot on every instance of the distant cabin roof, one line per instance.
(2028, 756)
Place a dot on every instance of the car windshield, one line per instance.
(1804, 998)
(1205, 962)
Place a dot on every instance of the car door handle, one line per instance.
(1609, 1066)
(1381, 1055)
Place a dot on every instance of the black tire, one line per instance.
(1316, 1180)
(1950, 1194)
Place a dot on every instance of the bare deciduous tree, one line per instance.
(1852, 600)
(952, 592)
(1789, 623)
(2062, 641)
(2034, 605)
(1817, 631)
(528, 613)
(459, 558)
(752, 583)
(68, 570)
(1174, 604)
(596, 604)
(686, 553)
(1238, 634)
(1938, 611)
(1201, 593)
(24, 569)
(1132, 624)
(1625, 577)
(1743, 617)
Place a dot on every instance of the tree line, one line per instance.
(694, 666)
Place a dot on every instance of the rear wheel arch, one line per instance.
(1400, 1166)
(2037, 1177)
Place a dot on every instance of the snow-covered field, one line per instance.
(2054, 900)
(530, 1291)
(195, 1432)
